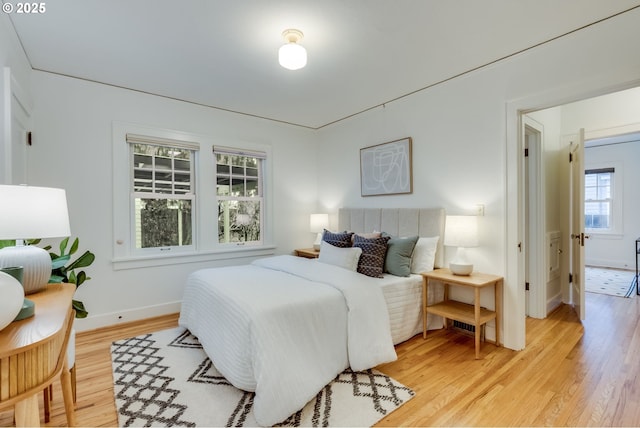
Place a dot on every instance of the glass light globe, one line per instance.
(292, 56)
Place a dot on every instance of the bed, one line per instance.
(285, 326)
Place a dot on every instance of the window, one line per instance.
(239, 193)
(598, 197)
(172, 205)
(162, 192)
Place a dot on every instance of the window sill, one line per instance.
(603, 235)
(137, 262)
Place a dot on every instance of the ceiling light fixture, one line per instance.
(291, 55)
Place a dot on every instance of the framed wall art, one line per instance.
(385, 169)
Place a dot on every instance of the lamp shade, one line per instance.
(28, 212)
(318, 222)
(292, 56)
(461, 231)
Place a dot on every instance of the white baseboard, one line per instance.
(616, 264)
(553, 302)
(114, 318)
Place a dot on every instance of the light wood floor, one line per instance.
(567, 375)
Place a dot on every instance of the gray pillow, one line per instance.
(398, 259)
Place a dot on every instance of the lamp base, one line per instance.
(461, 269)
(318, 241)
(36, 263)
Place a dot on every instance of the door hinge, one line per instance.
(526, 153)
(570, 157)
(570, 278)
(29, 138)
(526, 286)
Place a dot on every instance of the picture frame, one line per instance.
(386, 169)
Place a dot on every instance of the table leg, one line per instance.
(27, 413)
(67, 394)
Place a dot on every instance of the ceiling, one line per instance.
(223, 54)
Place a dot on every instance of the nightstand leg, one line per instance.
(477, 317)
(425, 289)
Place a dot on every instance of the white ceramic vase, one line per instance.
(11, 298)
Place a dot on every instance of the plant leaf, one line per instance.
(63, 245)
(72, 278)
(7, 243)
(56, 279)
(81, 312)
(74, 246)
(59, 262)
(80, 278)
(83, 261)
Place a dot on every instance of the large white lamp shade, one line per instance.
(461, 231)
(317, 224)
(28, 212)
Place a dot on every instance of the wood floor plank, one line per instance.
(570, 374)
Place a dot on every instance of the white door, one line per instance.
(17, 123)
(577, 223)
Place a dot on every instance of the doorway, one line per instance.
(556, 179)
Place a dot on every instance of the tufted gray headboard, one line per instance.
(424, 222)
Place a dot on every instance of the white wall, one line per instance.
(73, 150)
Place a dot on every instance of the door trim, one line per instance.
(535, 257)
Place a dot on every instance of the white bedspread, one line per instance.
(285, 326)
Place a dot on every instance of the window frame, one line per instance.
(615, 198)
(205, 237)
(261, 157)
(193, 148)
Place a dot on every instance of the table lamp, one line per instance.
(317, 224)
(461, 231)
(28, 212)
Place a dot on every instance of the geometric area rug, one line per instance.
(614, 282)
(166, 379)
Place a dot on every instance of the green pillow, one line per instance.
(398, 259)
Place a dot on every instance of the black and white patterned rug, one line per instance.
(166, 379)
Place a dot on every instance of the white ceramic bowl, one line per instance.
(11, 298)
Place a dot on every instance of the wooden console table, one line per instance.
(33, 354)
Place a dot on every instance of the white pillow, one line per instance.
(424, 254)
(344, 257)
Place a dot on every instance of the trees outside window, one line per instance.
(239, 193)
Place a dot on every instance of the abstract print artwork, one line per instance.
(385, 169)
